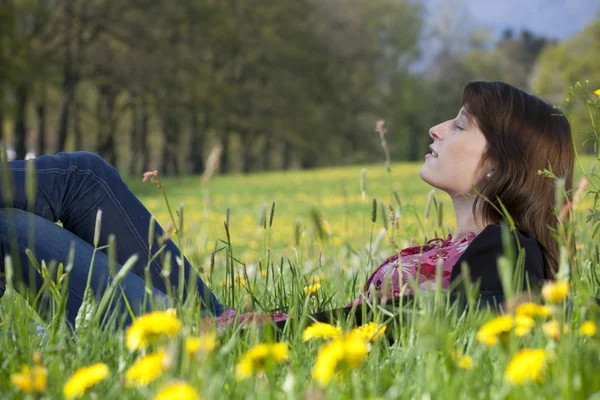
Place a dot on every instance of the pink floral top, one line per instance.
(416, 262)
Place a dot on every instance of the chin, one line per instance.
(427, 178)
(423, 173)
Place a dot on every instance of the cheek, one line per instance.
(458, 169)
(461, 166)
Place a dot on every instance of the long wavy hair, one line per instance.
(524, 135)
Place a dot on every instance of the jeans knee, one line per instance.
(87, 161)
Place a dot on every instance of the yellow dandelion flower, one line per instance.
(280, 351)
(552, 329)
(40, 378)
(145, 370)
(588, 328)
(523, 325)
(239, 279)
(526, 365)
(321, 330)
(489, 332)
(148, 327)
(329, 357)
(85, 378)
(204, 344)
(370, 331)
(22, 380)
(255, 359)
(177, 391)
(30, 380)
(312, 289)
(465, 362)
(597, 92)
(355, 350)
(350, 350)
(532, 310)
(555, 292)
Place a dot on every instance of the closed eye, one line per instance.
(460, 128)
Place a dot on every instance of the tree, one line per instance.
(30, 46)
(297, 83)
(561, 65)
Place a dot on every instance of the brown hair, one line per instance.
(524, 135)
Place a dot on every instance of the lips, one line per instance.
(433, 152)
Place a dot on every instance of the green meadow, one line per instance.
(262, 242)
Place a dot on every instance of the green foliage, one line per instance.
(129, 78)
(572, 61)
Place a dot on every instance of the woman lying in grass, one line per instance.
(486, 158)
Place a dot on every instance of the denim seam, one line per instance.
(107, 190)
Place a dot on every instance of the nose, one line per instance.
(436, 132)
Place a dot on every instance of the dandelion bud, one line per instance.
(112, 255)
(384, 217)
(166, 269)
(8, 271)
(272, 214)
(363, 182)
(374, 211)
(151, 231)
(97, 228)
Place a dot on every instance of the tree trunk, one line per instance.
(106, 123)
(246, 156)
(69, 80)
(139, 138)
(197, 145)
(63, 122)
(144, 149)
(77, 133)
(309, 159)
(2, 138)
(41, 134)
(287, 155)
(224, 167)
(266, 159)
(134, 139)
(20, 124)
(170, 145)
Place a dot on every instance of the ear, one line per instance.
(485, 172)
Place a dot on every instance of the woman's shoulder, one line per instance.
(483, 253)
(491, 236)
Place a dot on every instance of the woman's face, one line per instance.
(453, 165)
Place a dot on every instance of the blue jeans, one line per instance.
(71, 188)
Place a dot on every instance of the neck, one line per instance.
(465, 220)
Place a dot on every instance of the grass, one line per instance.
(322, 230)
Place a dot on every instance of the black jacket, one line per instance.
(482, 258)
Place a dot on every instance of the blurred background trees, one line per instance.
(279, 84)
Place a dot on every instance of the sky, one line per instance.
(557, 19)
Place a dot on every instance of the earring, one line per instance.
(489, 175)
